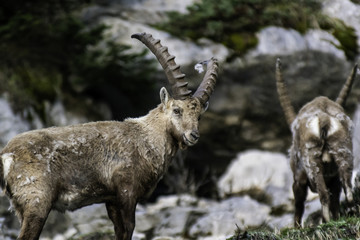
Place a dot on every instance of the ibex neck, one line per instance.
(156, 125)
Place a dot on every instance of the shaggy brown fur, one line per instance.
(321, 152)
(116, 163)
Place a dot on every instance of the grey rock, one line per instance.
(284, 221)
(146, 221)
(173, 221)
(11, 123)
(229, 214)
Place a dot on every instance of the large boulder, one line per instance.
(258, 171)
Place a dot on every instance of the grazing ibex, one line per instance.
(116, 163)
(321, 152)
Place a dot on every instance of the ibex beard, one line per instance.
(116, 163)
(321, 153)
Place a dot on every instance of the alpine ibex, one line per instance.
(321, 152)
(116, 163)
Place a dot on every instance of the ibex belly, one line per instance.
(75, 198)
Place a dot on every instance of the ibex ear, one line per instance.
(164, 96)
(205, 107)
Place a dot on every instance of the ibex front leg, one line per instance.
(122, 210)
(123, 218)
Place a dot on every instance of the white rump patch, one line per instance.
(313, 125)
(7, 160)
(326, 157)
(335, 125)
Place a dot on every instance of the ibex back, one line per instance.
(321, 152)
(116, 163)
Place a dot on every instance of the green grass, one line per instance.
(344, 228)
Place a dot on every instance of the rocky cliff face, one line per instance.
(244, 114)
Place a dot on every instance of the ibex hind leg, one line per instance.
(334, 187)
(344, 161)
(300, 194)
(345, 166)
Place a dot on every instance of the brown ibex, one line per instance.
(116, 163)
(321, 152)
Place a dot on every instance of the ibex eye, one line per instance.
(176, 111)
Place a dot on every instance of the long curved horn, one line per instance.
(207, 85)
(175, 77)
(283, 95)
(341, 99)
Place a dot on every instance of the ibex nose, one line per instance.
(195, 135)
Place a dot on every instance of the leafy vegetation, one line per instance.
(47, 52)
(235, 22)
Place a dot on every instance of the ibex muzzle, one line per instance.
(116, 163)
(321, 152)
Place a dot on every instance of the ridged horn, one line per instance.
(283, 95)
(175, 77)
(344, 93)
(207, 85)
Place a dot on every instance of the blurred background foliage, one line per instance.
(48, 53)
(235, 22)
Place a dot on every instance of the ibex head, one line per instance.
(183, 108)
